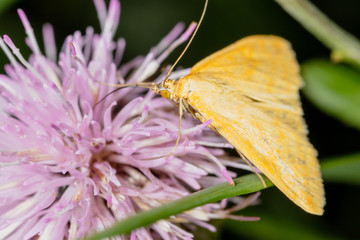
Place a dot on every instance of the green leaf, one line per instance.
(243, 185)
(334, 88)
(342, 169)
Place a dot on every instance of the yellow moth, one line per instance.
(250, 91)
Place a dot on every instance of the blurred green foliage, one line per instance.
(334, 88)
(4, 4)
(344, 169)
(331, 106)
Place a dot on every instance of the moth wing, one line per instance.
(250, 91)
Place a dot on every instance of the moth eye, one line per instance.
(165, 94)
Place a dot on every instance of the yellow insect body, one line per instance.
(250, 92)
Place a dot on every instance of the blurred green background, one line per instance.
(144, 22)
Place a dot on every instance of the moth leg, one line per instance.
(181, 111)
(252, 168)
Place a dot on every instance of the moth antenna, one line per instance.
(149, 85)
(191, 39)
(253, 169)
(173, 66)
(153, 86)
(179, 132)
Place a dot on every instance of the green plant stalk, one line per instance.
(243, 185)
(345, 47)
(335, 169)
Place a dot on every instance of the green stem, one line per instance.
(344, 46)
(341, 169)
(243, 185)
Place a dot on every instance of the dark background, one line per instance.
(144, 22)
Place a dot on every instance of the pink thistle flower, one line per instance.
(71, 165)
